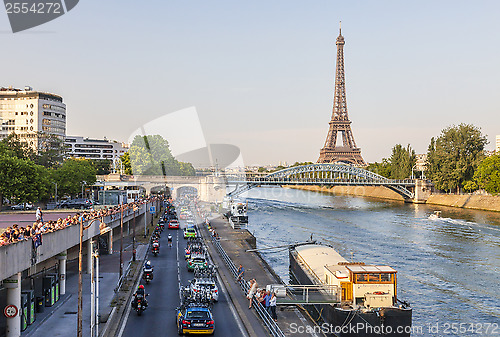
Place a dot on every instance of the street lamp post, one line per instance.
(83, 184)
(55, 183)
(414, 166)
(80, 300)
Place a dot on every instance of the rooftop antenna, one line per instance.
(340, 27)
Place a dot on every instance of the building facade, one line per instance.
(81, 147)
(497, 148)
(31, 115)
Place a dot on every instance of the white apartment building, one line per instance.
(30, 114)
(81, 147)
(497, 148)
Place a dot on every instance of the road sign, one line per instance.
(10, 311)
(152, 209)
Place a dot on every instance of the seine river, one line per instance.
(448, 268)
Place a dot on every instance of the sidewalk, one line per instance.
(61, 319)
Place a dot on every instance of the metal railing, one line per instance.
(270, 324)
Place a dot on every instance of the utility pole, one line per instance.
(145, 218)
(121, 236)
(80, 299)
(133, 239)
(94, 291)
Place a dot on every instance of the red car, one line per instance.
(173, 224)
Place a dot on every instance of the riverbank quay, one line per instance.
(235, 243)
(468, 201)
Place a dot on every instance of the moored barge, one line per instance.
(367, 302)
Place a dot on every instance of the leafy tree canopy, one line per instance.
(454, 156)
(71, 175)
(150, 155)
(398, 166)
(22, 180)
(486, 176)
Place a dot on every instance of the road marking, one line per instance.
(232, 308)
(178, 266)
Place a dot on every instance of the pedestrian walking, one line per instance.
(39, 215)
(251, 292)
(241, 273)
(272, 307)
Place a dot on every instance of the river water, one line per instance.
(448, 268)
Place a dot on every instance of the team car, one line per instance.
(196, 260)
(189, 233)
(173, 224)
(195, 319)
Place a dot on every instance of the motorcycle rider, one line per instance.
(140, 292)
(169, 239)
(147, 269)
(156, 245)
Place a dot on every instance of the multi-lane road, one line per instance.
(170, 272)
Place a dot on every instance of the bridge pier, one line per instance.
(89, 256)
(423, 190)
(62, 271)
(13, 285)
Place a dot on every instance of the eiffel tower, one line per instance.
(349, 152)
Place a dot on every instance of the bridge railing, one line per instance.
(263, 180)
(270, 324)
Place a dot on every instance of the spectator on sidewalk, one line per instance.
(251, 292)
(272, 307)
(266, 300)
(241, 273)
(39, 215)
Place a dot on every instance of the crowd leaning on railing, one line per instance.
(16, 234)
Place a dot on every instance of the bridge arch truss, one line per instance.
(323, 174)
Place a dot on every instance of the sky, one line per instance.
(261, 74)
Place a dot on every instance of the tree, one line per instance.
(486, 176)
(51, 150)
(402, 161)
(72, 174)
(127, 167)
(383, 168)
(150, 155)
(22, 180)
(13, 144)
(454, 156)
(102, 166)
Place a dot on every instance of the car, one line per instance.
(189, 233)
(196, 260)
(190, 223)
(173, 224)
(198, 283)
(22, 206)
(77, 203)
(195, 319)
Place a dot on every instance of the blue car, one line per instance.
(195, 320)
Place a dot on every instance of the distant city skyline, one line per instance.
(261, 75)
